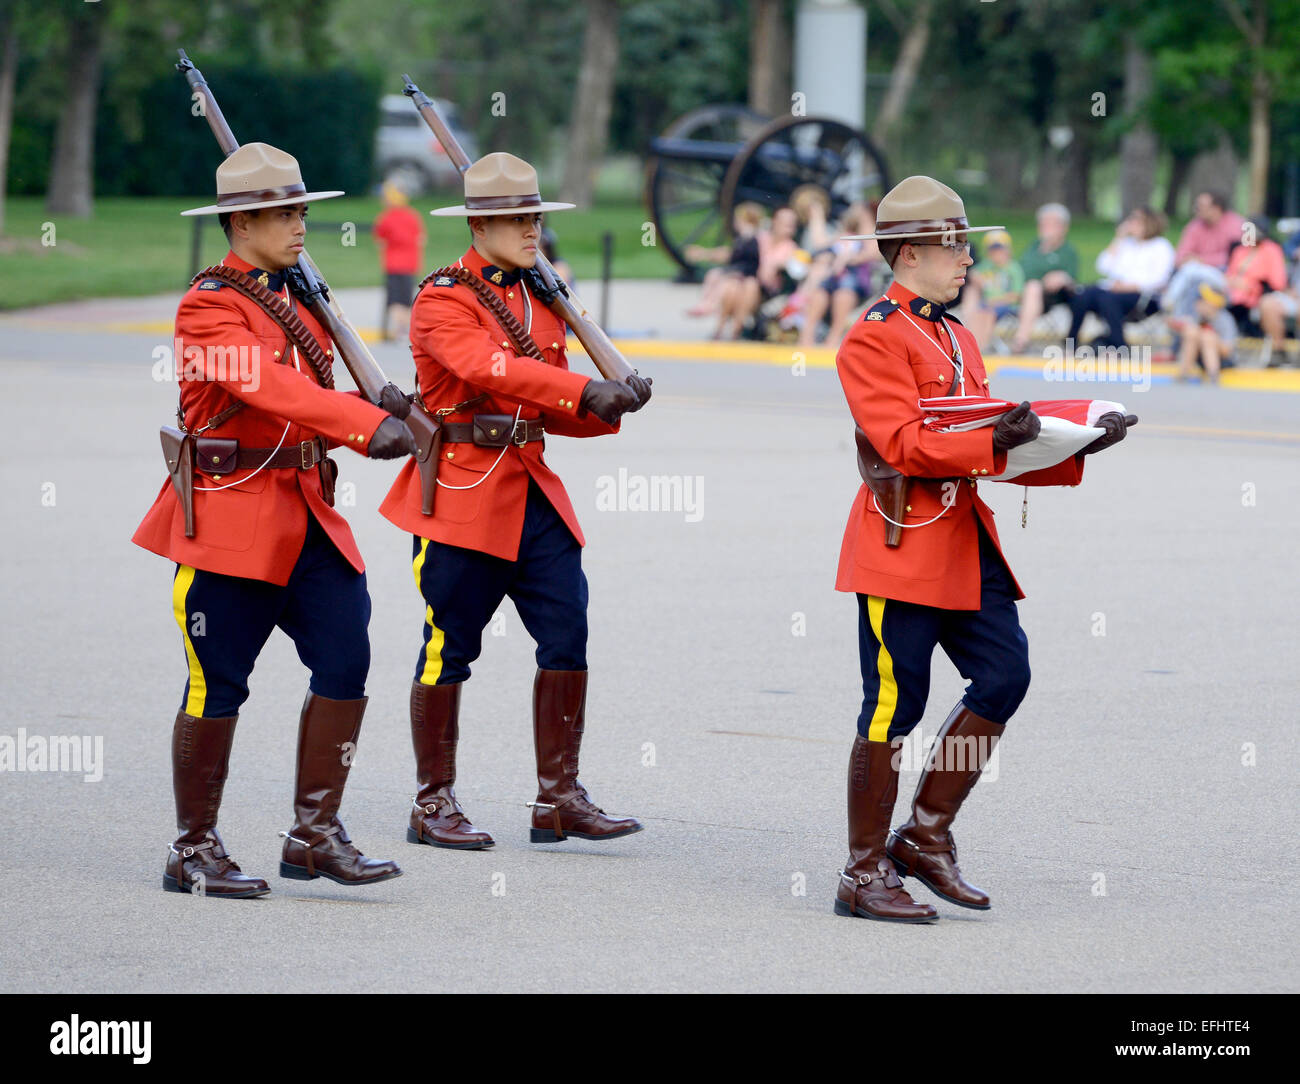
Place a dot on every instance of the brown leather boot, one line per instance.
(869, 887)
(197, 862)
(437, 818)
(923, 847)
(318, 845)
(563, 807)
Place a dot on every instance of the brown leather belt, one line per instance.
(302, 456)
(495, 436)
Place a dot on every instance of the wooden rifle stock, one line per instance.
(559, 298)
(311, 288)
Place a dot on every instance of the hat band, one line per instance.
(495, 203)
(923, 225)
(225, 199)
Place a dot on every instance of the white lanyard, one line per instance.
(955, 360)
(248, 477)
(528, 326)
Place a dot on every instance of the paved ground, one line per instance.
(1139, 835)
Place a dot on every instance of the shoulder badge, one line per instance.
(210, 284)
(444, 280)
(881, 309)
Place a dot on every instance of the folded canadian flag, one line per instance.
(1068, 426)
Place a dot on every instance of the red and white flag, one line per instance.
(1068, 426)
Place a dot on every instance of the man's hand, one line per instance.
(1016, 427)
(395, 401)
(640, 386)
(391, 440)
(609, 400)
(1116, 426)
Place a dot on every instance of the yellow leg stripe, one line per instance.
(887, 697)
(198, 695)
(433, 648)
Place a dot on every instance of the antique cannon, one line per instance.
(715, 157)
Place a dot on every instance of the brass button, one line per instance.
(909, 507)
(492, 432)
(510, 293)
(451, 455)
(330, 354)
(983, 472)
(352, 436)
(986, 381)
(504, 342)
(277, 353)
(216, 459)
(216, 477)
(569, 403)
(974, 470)
(555, 346)
(561, 402)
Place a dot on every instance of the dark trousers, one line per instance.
(1110, 306)
(462, 589)
(226, 620)
(897, 639)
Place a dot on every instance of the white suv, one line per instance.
(407, 152)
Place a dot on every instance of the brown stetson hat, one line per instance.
(501, 184)
(920, 207)
(255, 176)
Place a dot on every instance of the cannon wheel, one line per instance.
(682, 194)
(794, 151)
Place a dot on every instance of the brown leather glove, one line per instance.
(391, 440)
(1016, 427)
(395, 401)
(609, 400)
(1116, 426)
(640, 385)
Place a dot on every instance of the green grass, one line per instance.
(142, 246)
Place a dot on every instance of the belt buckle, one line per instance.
(521, 427)
(307, 454)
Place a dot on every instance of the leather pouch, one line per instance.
(329, 472)
(493, 430)
(216, 455)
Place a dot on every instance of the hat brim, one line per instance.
(946, 231)
(472, 212)
(288, 201)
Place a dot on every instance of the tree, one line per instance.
(915, 33)
(769, 57)
(593, 98)
(71, 190)
(8, 73)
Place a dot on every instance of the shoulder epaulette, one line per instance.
(881, 309)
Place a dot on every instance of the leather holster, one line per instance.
(888, 484)
(178, 451)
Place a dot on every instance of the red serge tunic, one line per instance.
(228, 349)
(461, 351)
(889, 360)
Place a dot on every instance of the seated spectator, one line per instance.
(1209, 338)
(740, 259)
(846, 279)
(1202, 253)
(1253, 270)
(993, 288)
(1274, 311)
(1135, 267)
(1051, 267)
(741, 297)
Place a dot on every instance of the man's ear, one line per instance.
(476, 226)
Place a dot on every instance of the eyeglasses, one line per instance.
(957, 248)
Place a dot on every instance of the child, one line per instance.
(993, 289)
(1212, 338)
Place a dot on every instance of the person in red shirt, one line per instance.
(947, 583)
(502, 525)
(400, 231)
(262, 546)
